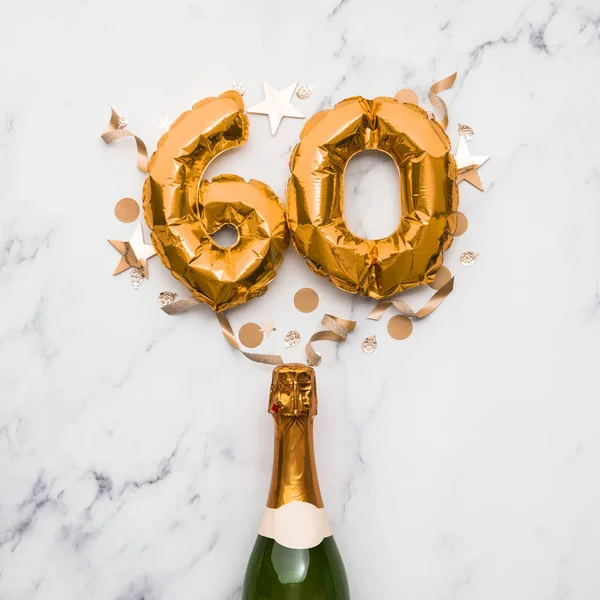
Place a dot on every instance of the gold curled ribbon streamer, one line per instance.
(337, 331)
(176, 308)
(436, 101)
(405, 310)
(267, 359)
(113, 132)
(184, 304)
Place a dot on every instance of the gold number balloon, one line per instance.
(183, 210)
(420, 148)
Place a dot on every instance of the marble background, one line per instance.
(135, 448)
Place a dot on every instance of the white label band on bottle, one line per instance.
(298, 525)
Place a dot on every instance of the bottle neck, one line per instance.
(294, 472)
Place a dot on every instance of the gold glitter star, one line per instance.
(277, 105)
(468, 164)
(267, 327)
(134, 253)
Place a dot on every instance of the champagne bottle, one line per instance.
(295, 556)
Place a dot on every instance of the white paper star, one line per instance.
(468, 164)
(267, 327)
(277, 105)
(164, 123)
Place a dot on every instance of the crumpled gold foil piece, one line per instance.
(183, 210)
(429, 195)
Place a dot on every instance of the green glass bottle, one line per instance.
(295, 556)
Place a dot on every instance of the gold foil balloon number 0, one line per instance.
(183, 210)
(412, 255)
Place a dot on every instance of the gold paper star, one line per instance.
(267, 328)
(277, 105)
(468, 164)
(134, 253)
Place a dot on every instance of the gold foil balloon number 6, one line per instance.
(183, 210)
(412, 255)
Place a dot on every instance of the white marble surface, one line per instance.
(135, 448)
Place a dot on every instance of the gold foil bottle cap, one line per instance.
(293, 391)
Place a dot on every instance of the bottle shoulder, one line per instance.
(276, 572)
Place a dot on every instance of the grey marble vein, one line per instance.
(135, 448)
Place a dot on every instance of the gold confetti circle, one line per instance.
(399, 327)
(127, 210)
(468, 258)
(251, 335)
(369, 344)
(462, 224)
(442, 277)
(406, 95)
(306, 300)
(291, 339)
